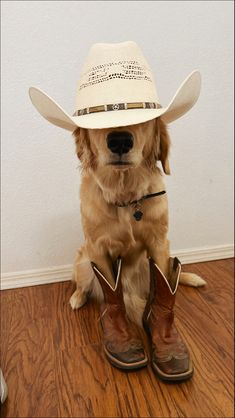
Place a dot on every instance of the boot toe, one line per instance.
(130, 359)
(174, 368)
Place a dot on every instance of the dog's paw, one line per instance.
(191, 279)
(78, 299)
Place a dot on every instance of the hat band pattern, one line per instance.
(117, 106)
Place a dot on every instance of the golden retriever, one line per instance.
(108, 179)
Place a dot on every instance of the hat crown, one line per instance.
(117, 88)
(115, 73)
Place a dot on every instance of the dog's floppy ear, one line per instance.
(78, 142)
(83, 148)
(164, 145)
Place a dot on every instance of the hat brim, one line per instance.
(184, 99)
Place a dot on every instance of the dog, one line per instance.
(121, 165)
(120, 130)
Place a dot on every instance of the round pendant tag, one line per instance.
(138, 215)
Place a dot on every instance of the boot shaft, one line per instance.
(163, 290)
(113, 295)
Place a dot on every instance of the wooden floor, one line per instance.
(54, 365)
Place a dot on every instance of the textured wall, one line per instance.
(44, 43)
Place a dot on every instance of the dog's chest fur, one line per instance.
(105, 224)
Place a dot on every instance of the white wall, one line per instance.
(44, 43)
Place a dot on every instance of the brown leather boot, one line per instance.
(122, 345)
(170, 356)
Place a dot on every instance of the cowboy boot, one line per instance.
(170, 356)
(122, 345)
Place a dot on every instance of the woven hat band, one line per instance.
(117, 106)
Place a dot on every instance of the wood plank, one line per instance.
(86, 387)
(29, 362)
(73, 328)
(204, 327)
(219, 291)
(6, 309)
(6, 298)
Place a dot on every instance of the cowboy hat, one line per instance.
(117, 88)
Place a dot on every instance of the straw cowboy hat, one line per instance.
(117, 88)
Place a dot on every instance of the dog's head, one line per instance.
(124, 148)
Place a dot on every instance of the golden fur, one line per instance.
(112, 231)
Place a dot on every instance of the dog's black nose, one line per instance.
(120, 142)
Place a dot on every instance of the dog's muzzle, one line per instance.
(120, 142)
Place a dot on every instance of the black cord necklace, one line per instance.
(138, 214)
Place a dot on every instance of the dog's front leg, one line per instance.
(83, 277)
(83, 274)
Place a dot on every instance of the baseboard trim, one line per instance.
(36, 277)
(63, 273)
(198, 255)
